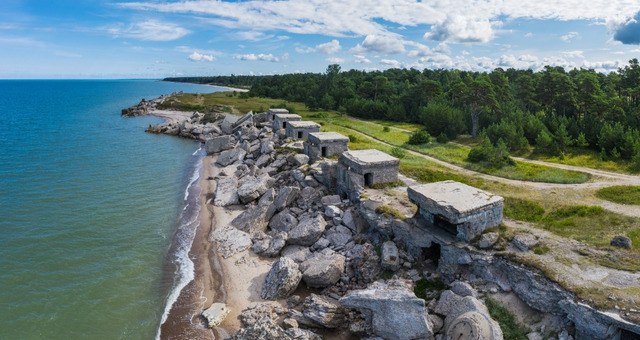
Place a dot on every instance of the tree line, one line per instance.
(551, 109)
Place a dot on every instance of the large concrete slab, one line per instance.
(370, 157)
(327, 137)
(452, 198)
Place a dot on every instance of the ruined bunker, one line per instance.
(301, 129)
(271, 113)
(281, 120)
(325, 144)
(461, 209)
(362, 168)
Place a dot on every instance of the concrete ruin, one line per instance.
(271, 113)
(458, 208)
(325, 144)
(281, 120)
(301, 129)
(362, 168)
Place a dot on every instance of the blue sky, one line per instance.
(158, 38)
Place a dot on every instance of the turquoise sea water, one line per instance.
(88, 206)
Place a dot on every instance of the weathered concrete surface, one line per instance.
(280, 120)
(271, 113)
(226, 192)
(282, 280)
(395, 311)
(359, 168)
(469, 209)
(301, 129)
(466, 318)
(323, 269)
(332, 143)
(216, 314)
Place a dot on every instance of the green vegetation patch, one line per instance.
(621, 194)
(511, 328)
(390, 211)
(428, 289)
(523, 210)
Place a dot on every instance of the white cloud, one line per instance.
(569, 36)
(305, 49)
(257, 57)
(458, 28)
(195, 56)
(360, 59)
(392, 63)
(152, 30)
(330, 47)
(529, 35)
(380, 43)
(573, 54)
(253, 35)
(335, 60)
(419, 50)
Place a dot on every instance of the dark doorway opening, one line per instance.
(299, 134)
(431, 255)
(284, 125)
(440, 221)
(368, 179)
(323, 151)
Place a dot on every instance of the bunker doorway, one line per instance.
(323, 151)
(299, 134)
(431, 256)
(368, 179)
(284, 125)
(441, 222)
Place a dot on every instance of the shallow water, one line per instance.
(88, 206)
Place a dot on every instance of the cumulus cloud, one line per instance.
(573, 54)
(257, 57)
(569, 36)
(335, 60)
(253, 35)
(360, 59)
(391, 63)
(152, 30)
(196, 56)
(380, 43)
(629, 32)
(331, 47)
(458, 28)
(419, 50)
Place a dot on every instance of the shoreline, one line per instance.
(210, 85)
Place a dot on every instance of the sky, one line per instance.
(162, 38)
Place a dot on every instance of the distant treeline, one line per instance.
(231, 81)
(551, 109)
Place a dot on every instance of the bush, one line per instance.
(353, 138)
(419, 137)
(441, 118)
(442, 139)
(398, 153)
(386, 129)
(489, 155)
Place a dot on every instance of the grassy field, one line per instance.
(621, 194)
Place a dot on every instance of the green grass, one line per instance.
(434, 287)
(397, 183)
(390, 211)
(584, 158)
(511, 328)
(620, 194)
(541, 249)
(523, 210)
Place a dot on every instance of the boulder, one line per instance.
(308, 231)
(332, 211)
(252, 187)
(390, 257)
(230, 241)
(253, 220)
(323, 311)
(463, 289)
(297, 253)
(282, 280)
(331, 200)
(267, 147)
(228, 157)
(283, 221)
(524, 242)
(466, 318)
(264, 328)
(227, 124)
(263, 160)
(622, 242)
(302, 334)
(268, 245)
(300, 159)
(392, 309)
(488, 240)
(364, 263)
(217, 144)
(216, 314)
(286, 196)
(226, 192)
(322, 269)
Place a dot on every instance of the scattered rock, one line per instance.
(622, 242)
(308, 231)
(269, 245)
(228, 157)
(289, 323)
(283, 221)
(488, 240)
(392, 309)
(264, 328)
(466, 318)
(331, 200)
(297, 253)
(463, 289)
(226, 192)
(322, 269)
(324, 311)
(282, 280)
(253, 220)
(286, 196)
(332, 211)
(252, 187)
(216, 314)
(390, 257)
(217, 144)
(524, 242)
(230, 241)
(300, 159)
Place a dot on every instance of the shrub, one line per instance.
(442, 139)
(441, 118)
(434, 287)
(419, 137)
(489, 155)
(511, 329)
(386, 129)
(353, 138)
(398, 153)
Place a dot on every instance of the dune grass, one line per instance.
(621, 194)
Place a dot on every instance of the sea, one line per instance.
(90, 206)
